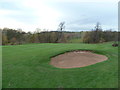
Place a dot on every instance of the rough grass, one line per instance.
(27, 66)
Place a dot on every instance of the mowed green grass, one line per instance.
(75, 40)
(27, 66)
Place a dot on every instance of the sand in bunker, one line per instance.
(76, 59)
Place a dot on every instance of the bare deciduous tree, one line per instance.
(60, 34)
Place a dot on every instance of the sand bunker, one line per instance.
(77, 59)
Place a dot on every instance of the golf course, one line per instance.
(28, 66)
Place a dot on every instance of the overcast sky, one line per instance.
(79, 15)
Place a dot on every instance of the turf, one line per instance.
(75, 40)
(27, 66)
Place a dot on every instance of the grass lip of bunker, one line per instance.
(76, 58)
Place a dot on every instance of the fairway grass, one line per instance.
(27, 66)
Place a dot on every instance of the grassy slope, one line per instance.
(75, 40)
(27, 66)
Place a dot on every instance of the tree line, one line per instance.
(14, 37)
(97, 35)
